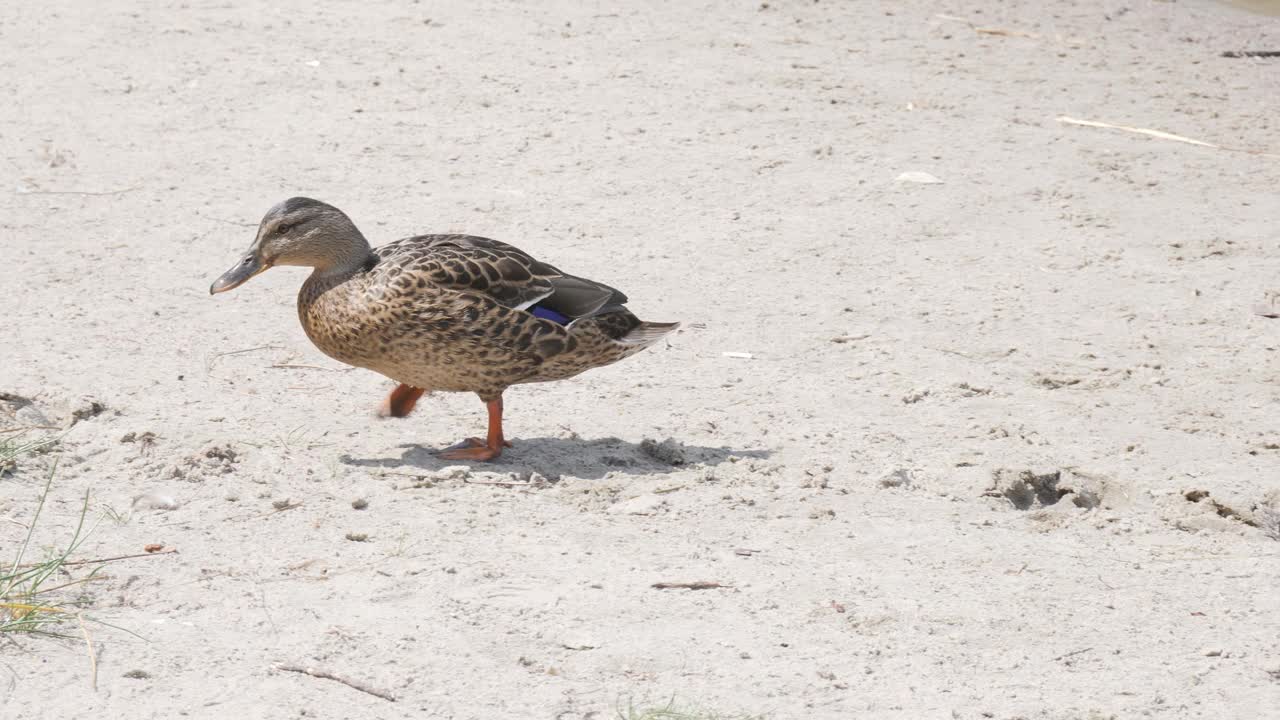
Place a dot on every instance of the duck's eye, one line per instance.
(283, 228)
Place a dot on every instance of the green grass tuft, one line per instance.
(38, 597)
(12, 447)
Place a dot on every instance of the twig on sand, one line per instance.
(171, 551)
(1007, 32)
(990, 356)
(211, 359)
(500, 483)
(98, 561)
(695, 585)
(278, 507)
(121, 191)
(1073, 653)
(1157, 134)
(265, 611)
(1251, 54)
(292, 366)
(252, 349)
(416, 475)
(93, 657)
(240, 223)
(999, 31)
(326, 675)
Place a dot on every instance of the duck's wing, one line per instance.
(503, 272)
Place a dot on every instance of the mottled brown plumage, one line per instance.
(442, 312)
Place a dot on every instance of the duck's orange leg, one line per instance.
(400, 402)
(477, 449)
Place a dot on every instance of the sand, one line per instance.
(1002, 448)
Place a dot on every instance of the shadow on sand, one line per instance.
(587, 459)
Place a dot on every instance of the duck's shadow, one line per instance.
(587, 459)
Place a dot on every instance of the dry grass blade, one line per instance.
(93, 656)
(1160, 134)
(25, 428)
(1141, 131)
(211, 360)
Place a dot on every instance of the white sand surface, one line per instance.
(1002, 447)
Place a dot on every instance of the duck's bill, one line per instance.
(239, 274)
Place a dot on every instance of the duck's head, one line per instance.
(298, 231)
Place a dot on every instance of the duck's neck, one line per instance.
(340, 256)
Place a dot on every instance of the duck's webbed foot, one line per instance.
(481, 449)
(467, 451)
(400, 401)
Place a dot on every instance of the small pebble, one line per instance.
(357, 537)
(359, 503)
(669, 451)
(452, 472)
(156, 501)
(896, 477)
(915, 396)
(1212, 652)
(137, 674)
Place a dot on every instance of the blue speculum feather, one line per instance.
(547, 314)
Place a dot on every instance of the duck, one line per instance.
(442, 313)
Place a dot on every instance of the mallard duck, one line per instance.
(451, 313)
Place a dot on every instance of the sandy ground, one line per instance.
(1002, 450)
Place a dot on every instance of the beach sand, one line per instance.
(1000, 446)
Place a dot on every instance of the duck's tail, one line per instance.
(601, 340)
(648, 333)
(616, 323)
